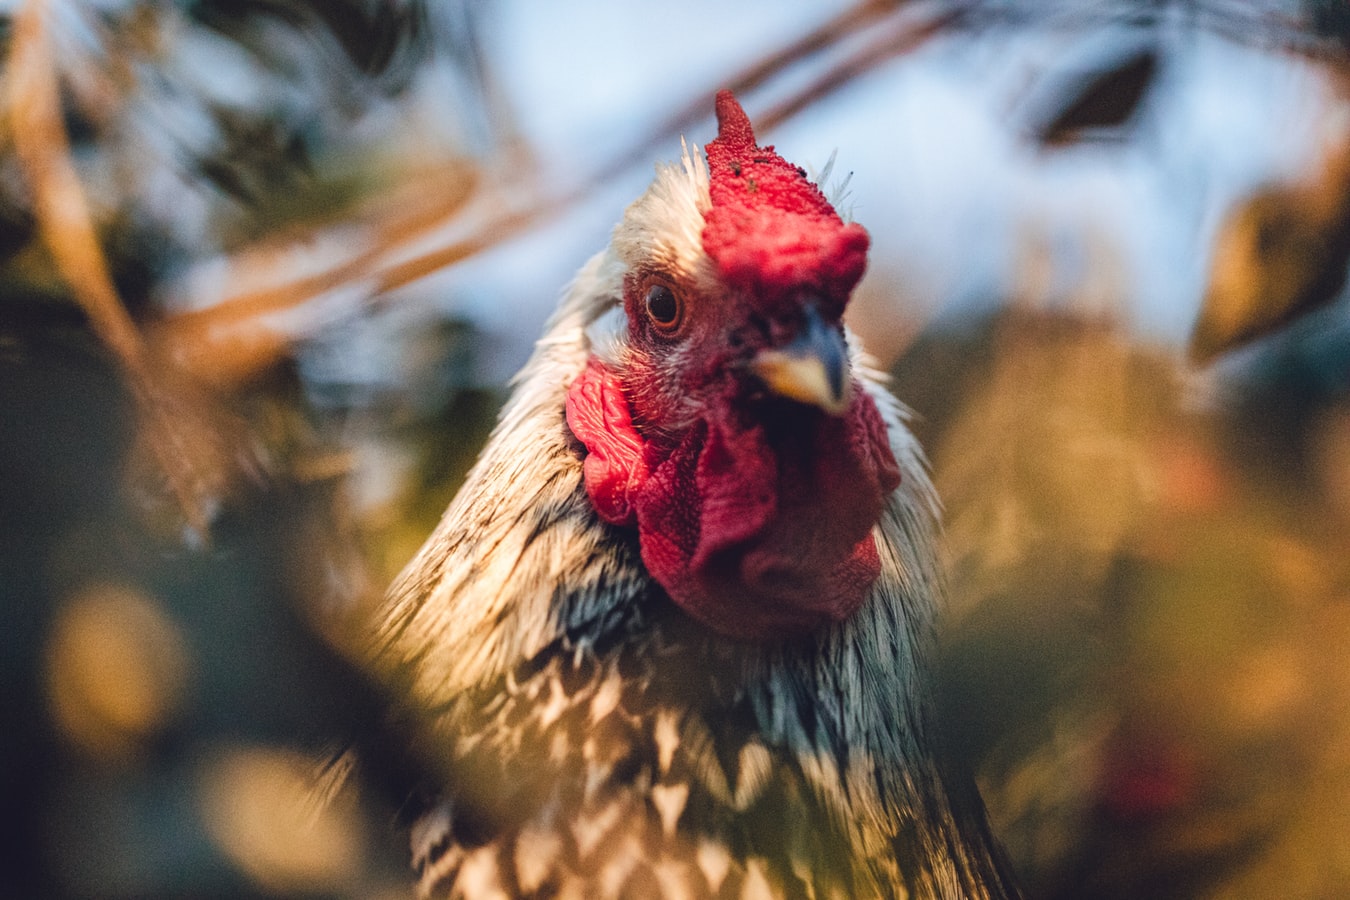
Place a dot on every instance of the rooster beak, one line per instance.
(812, 369)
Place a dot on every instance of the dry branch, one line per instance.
(187, 444)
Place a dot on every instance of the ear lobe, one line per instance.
(615, 465)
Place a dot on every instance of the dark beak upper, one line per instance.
(812, 369)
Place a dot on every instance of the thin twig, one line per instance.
(436, 202)
(43, 150)
(903, 36)
(852, 20)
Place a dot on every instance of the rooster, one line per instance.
(671, 638)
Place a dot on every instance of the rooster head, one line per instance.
(719, 411)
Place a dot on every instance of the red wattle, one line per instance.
(614, 469)
(756, 530)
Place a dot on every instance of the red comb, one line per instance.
(770, 231)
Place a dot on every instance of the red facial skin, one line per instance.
(753, 512)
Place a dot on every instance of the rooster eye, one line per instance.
(663, 308)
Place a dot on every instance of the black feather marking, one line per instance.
(513, 782)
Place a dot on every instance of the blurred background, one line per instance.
(267, 265)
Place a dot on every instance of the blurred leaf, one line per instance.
(1281, 255)
(1095, 97)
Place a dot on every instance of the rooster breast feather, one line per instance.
(584, 736)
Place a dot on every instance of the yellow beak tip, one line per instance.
(803, 379)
